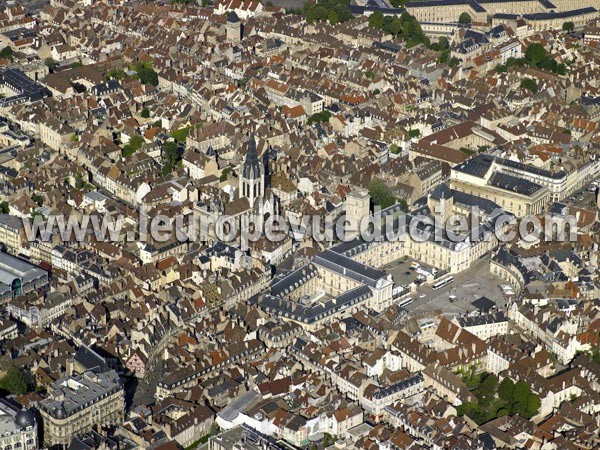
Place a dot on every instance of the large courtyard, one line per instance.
(456, 297)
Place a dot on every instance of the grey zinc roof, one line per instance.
(477, 166)
(514, 184)
(400, 386)
(348, 267)
(472, 321)
(80, 391)
(241, 403)
(12, 268)
(11, 221)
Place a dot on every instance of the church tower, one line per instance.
(234, 28)
(358, 202)
(252, 179)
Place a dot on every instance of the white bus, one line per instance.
(441, 283)
(406, 301)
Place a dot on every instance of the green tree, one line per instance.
(535, 54)
(145, 113)
(376, 20)
(334, 11)
(51, 63)
(395, 26)
(146, 73)
(181, 134)
(170, 156)
(444, 56)
(380, 193)
(404, 204)
(464, 19)
(14, 381)
(487, 387)
(225, 174)
(521, 390)
(333, 18)
(323, 116)
(4, 207)
(529, 84)
(6, 52)
(533, 405)
(394, 149)
(117, 74)
(80, 181)
(37, 198)
(406, 30)
(134, 144)
(568, 27)
(506, 389)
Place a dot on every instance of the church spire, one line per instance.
(252, 169)
(252, 181)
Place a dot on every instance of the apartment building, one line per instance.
(12, 233)
(445, 11)
(18, 427)
(78, 403)
(485, 326)
(447, 385)
(41, 311)
(542, 14)
(552, 20)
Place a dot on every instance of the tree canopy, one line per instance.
(535, 53)
(506, 389)
(145, 73)
(14, 381)
(405, 27)
(170, 157)
(380, 193)
(51, 63)
(537, 57)
(333, 11)
(464, 18)
(323, 116)
(134, 144)
(529, 84)
(6, 52)
(498, 399)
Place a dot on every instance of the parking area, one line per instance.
(467, 286)
(402, 273)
